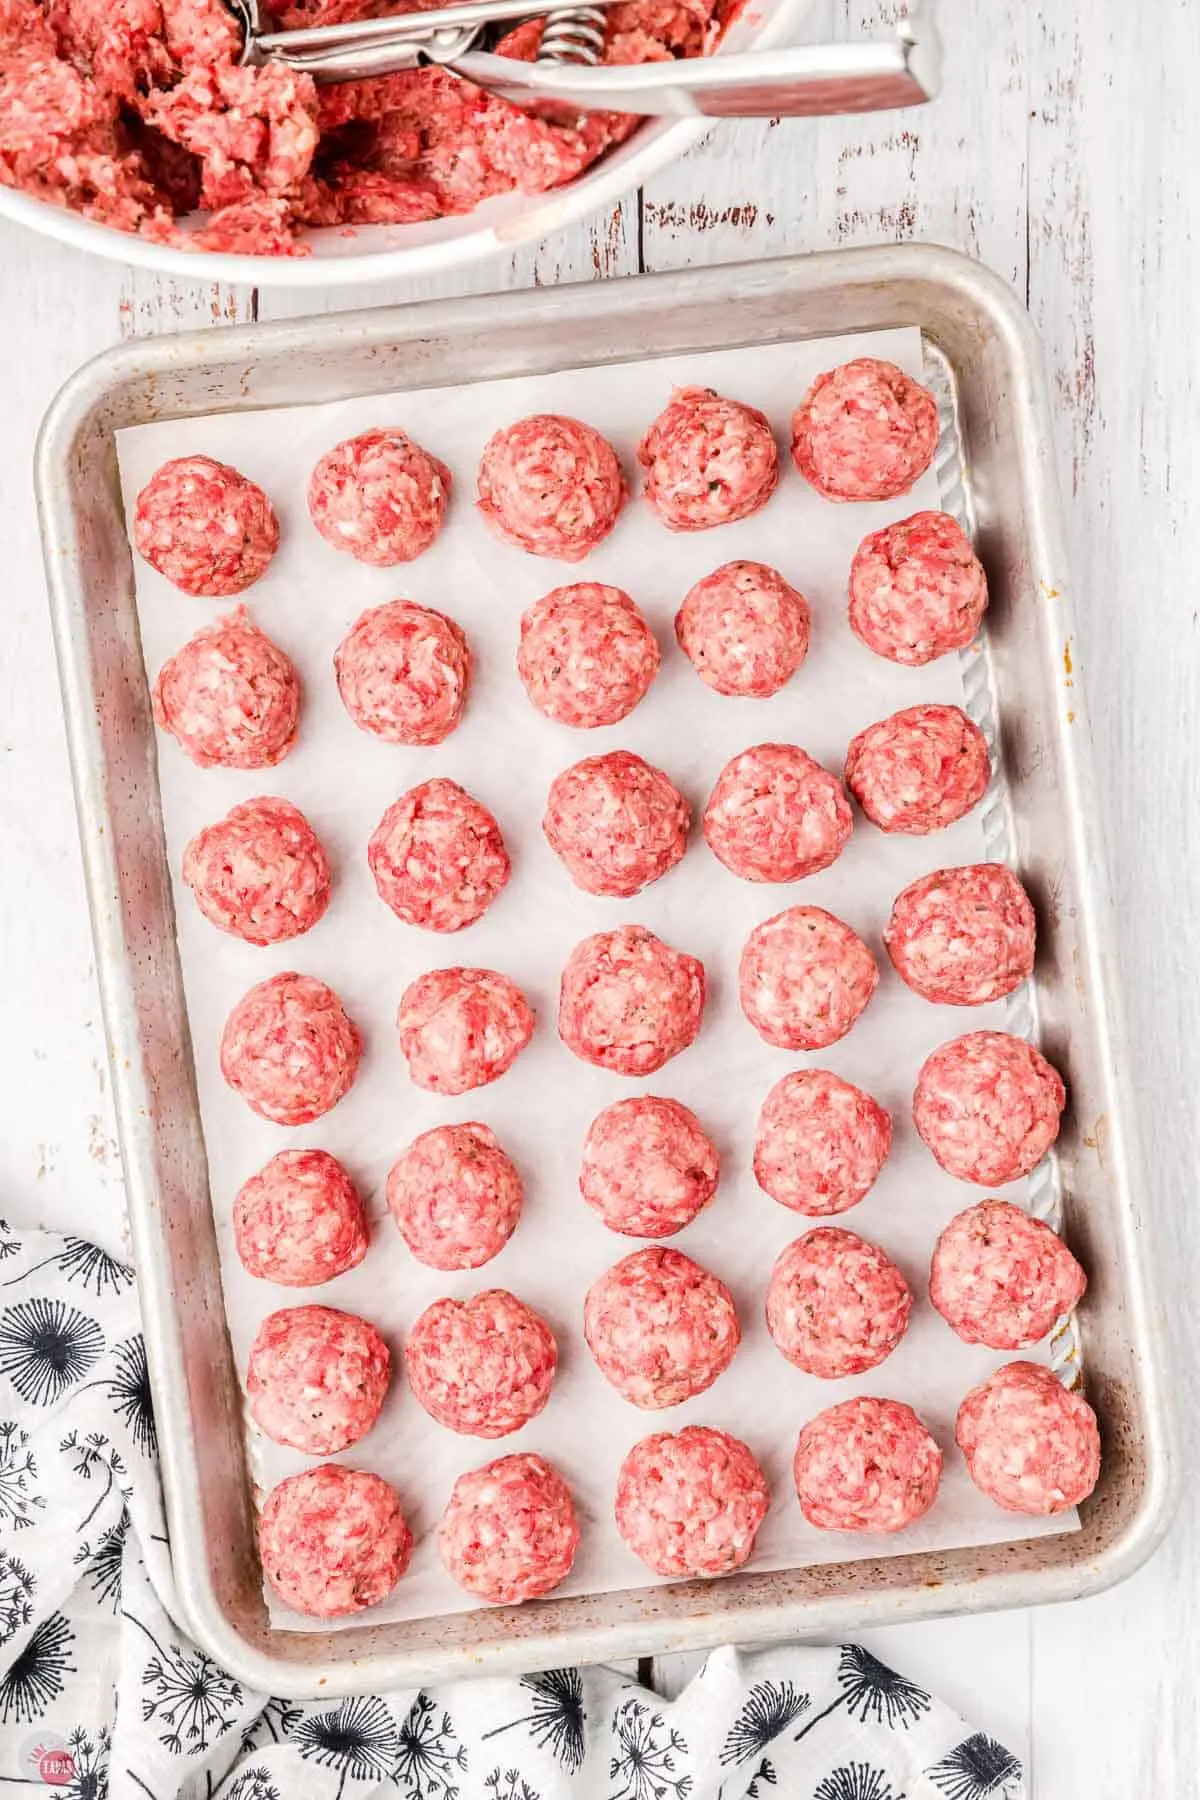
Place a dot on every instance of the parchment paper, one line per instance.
(507, 754)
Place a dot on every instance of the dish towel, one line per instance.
(102, 1694)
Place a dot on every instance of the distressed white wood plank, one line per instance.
(150, 305)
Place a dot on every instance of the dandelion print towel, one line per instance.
(101, 1694)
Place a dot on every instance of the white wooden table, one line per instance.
(1060, 154)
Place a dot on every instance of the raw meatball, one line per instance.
(317, 1378)
(628, 1002)
(205, 527)
(586, 656)
(289, 1050)
(988, 1106)
(836, 1305)
(299, 1221)
(660, 1327)
(864, 431)
(455, 1196)
(1002, 1279)
(618, 823)
(648, 1167)
(708, 461)
(691, 1502)
(820, 1143)
(379, 496)
(260, 872)
(866, 1465)
(438, 857)
(333, 1541)
(461, 1028)
(776, 815)
(483, 1366)
(403, 672)
(509, 1532)
(744, 629)
(551, 486)
(804, 977)
(962, 937)
(1031, 1445)
(230, 698)
(920, 770)
(917, 590)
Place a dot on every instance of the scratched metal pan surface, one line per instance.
(983, 357)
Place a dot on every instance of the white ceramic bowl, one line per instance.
(388, 252)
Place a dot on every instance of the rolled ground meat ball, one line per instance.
(230, 697)
(587, 656)
(300, 1221)
(509, 1532)
(660, 1327)
(317, 1378)
(380, 497)
(962, 937)
(289, 1049)
(551, 486)
(483, 1367)
(820, 1143)
(866, 1465)
(864, 431)
(1031, 1445)
(744, 629)
(259, 873)
(691, 1502)
(618, 823)
(917, 590)
(208, 529)
(919, 770)
(438, 857)
(1002, 1279)
(804, 977)
(836, 1305)
(648, 1166)
(776, 815)
(462, 1028)
(333, 1541)
(708, 461)
(403, 672)
(455, 1196)
(988, 1106)
(628, 1002)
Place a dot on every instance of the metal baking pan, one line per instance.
(982, 343)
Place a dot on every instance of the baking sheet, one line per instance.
(507, 754)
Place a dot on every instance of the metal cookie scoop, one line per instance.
(784, 83)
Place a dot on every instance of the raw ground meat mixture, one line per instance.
(260, 872)
(403, 671)
(628, 1002)
(462, 1028)
(820, 1143)
(317, 1378)
(438, 857)
(300, 1221)
(988, 1106)
(333, 1541)
(962, 937)
(587, 656)
(483, 1367)
(836, 1305)
(776, 815)
(1002, 1279)
(1031, 1444)
(917, 590)
(864, 431)
(455, 1196)
(552, 486)
(744, 629)
(919, 770)
(138, 115)
(660, 1327)
(866, 1465)
(804, 978)
(691, 1502)
(379, 497)
(509, 1532)
(708, 461)
(289, 1049)
(617, 823)
(648, 1166)
(230, 697)
(206, 528)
